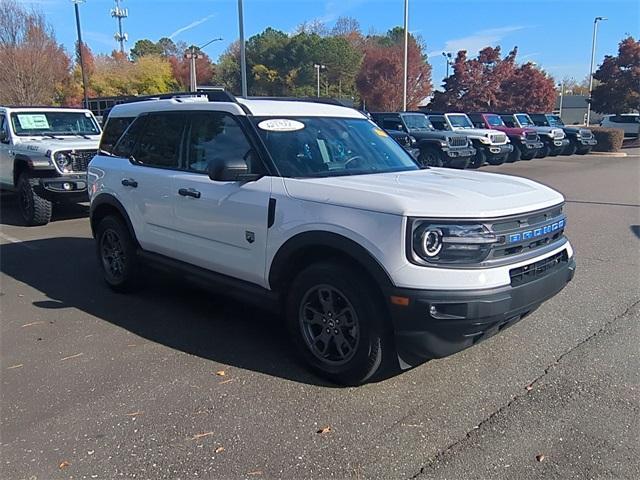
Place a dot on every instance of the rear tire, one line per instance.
(35, 209)
(335, 324)
(116, 251)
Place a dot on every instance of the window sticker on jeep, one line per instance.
(33, 121)
(380, 132)
(280, 125)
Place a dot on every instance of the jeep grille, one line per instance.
(80, 159)
(586, 134)
(531, 136)
(457, 141)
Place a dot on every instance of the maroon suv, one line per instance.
(525, 141)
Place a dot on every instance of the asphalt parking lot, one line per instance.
(176, 382)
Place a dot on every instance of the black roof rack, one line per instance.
(213, 95)
(324, 100)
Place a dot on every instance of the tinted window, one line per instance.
(159, 143)
(509, 121)
(113, 130)
(217, 136)
(392, 124)
(3, 127)
(124, 146)
(439, 123)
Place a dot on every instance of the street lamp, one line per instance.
(405, 77)
(447, 56)
(192, 54)
(593, 54)
(84, 75)
(319, 67)
(561, 86)
(243, 53)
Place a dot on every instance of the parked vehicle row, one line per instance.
(484, 137)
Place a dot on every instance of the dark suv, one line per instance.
(437, 149)
(525, 141)
(581, 140)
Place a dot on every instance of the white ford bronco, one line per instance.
(44, 153)
(313, 210)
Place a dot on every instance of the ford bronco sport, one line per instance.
(44, 153)
(525, 141)
(437, 149)
(315, 211)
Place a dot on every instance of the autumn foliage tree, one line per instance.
(618, 90)
(491, 82)
(33, 66)
(380, 81)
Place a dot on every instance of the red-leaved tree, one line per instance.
(205, 70)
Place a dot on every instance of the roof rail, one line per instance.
(213, 94)
(324, 100)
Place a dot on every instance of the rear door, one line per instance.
(221, 226)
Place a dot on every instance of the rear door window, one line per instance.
(113, 130)
(159, 143)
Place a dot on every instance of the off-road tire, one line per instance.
(430, 157)
(117, 257)
(35, 209)
(544, 151)
(570, 149)
(479, 159)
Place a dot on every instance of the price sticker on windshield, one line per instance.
(33, 121)
(280, 125)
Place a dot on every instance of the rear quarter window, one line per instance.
(113, 130)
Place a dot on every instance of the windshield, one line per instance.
(524, 120)
(494, 121)
(417, 121)
(555, 121)
(459, 121)
(327, 147)
(34, 123)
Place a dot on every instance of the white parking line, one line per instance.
(22, 243)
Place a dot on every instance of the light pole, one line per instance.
(192, 54)
(447, 57)
(84, 75)
(561, 85)
(593, 55)
(243, 53)
(405, 78)
(318, 67)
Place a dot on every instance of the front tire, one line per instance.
(570, 149)
(515, 155)
(544, 151)
(479, 159)
(116, 250)
(430, 157)
(35, 209)
(335, 324)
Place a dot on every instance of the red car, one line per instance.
(526, 142)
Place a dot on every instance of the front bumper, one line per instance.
(466, 152)
(558, 146)
(71, 187)
(439, 323)
(529, 146)
(499, 150)
(588, 142)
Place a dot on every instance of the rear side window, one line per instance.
(438, 122)
(113, 130)
(124, 147)
(509, 121)
(159, 143)
(391, 123)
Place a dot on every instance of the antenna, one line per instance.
(119, 13)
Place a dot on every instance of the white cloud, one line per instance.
(190, 26)
(334, 9)
(478, 40)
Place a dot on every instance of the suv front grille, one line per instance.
(80, 159)
(539, 269)
(499, 138)
(586, 134)
(457, 141)
(531, 136)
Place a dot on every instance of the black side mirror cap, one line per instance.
(231, 170)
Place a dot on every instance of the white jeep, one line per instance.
(44, 153)
(313, 210)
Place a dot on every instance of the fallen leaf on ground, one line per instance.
(529, 387)
(72, 356)
(133, 414)
(256, 472)
(64, 464)
(324, 430)
(540, 457)
(31, 324)
(200, 435)
(220, 373)
(219, 450)
(15, 366)
(226, 381)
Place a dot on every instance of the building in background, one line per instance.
(574, 110)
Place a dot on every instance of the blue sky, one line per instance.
(556, 34)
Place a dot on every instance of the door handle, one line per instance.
(129, 182)
(189, 192)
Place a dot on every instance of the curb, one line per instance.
(610, 154)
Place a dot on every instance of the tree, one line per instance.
(619, 77)
(168, 48)
(380, 80)
(490, 82)
(205, 70)
(145, 47)
(33, 66)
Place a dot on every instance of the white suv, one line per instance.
(629, 122)
(315, 211)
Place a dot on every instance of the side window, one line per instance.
(508, 121)
(4, 133)
(217, 136)
(391, 123)
(439, 123)
(477, 121)
(124, 147)
(159, 143)
(113, 130)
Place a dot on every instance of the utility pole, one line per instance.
(80, 58)
(561, 85)
(193, 54)
(406, 55)
(243, 53)
(593, 55)
(318, 67)
(447, 57)
(120, 13)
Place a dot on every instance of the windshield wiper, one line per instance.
(51, 136)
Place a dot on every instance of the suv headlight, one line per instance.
(412, 140)
(446, 243)
(485, 140)
(63, 161)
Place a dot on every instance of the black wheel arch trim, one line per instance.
(106, 199)
(282, 261)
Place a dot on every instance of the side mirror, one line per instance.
(3, 136)
(230, 170)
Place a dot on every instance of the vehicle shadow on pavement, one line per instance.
(10, 212)
(167, 310)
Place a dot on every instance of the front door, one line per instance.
(6, 159)
(222, 226)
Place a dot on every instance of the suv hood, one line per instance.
(434, 192)
(43, 145)
(555, 132)
(483, 132)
